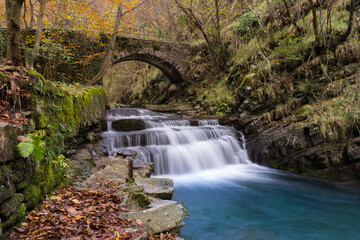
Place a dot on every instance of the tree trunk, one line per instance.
(13, 31)
(222, 55)
(315, 26)
(353, 6)
(107, 61)
(26, 31)
(8, 6)
(35, 51)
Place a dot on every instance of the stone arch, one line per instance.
(169, 70)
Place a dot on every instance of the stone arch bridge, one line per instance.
(171, 58)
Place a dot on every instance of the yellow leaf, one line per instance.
(75, 201)
(79, 217)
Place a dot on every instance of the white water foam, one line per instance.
(174, 146)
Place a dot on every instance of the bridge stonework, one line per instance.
(171, 58)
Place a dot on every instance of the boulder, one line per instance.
(353, 152)
(162, 188)
(82, 163)
(8, 141)
(82, 154)
(6, 192)
(17, 216)
(10, 205)
(162, 216)
(144, 169)
(136, 200)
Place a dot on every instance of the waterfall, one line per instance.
(175, 144)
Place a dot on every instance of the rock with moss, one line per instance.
(8, 142)
(136, 200)
(162, 216)
(16, 217)
(6, 191)
(162, 188)
(10, 205)
(32, 196)
(143, 169)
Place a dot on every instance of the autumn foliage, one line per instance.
(13, 95)
(79, 214)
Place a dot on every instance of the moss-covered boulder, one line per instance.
(6, 192)
(8, 141)
(32, 196)
(10, 205)
(136, 200)
(162, 216)
(17, 216)
(162, 188)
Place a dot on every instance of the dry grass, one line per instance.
(348, 52)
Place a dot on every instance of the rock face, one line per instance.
(164, 215)
(162, 188)
(301, 149)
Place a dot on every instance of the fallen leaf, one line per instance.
(72, 211)
(23, 139)
(75, 201)
(79, 217)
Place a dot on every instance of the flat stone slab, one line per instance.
(162, 216)
(162, 188)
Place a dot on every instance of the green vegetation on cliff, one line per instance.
(50, 115)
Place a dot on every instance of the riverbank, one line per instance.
(105, 203)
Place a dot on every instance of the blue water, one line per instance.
(252, 202)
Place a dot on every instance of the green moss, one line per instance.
(39, 84)
(17, 217)
(2, 77)
(22, 185)
(32, 196)
(78, 171)
(140, 199)
(90, 163)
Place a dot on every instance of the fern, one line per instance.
(25, 149)
(35, 147)
(39, 151)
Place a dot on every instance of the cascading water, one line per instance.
(227, 196)
(175, 146)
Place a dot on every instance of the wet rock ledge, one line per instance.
(147, 199)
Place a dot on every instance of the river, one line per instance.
(229, 197)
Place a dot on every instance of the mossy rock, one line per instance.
(17, 217)
(22, 185)
(136, 200)
(6, 192)
(32, 196)
(133, 188)
(10, 205)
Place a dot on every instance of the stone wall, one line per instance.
(60, 114)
